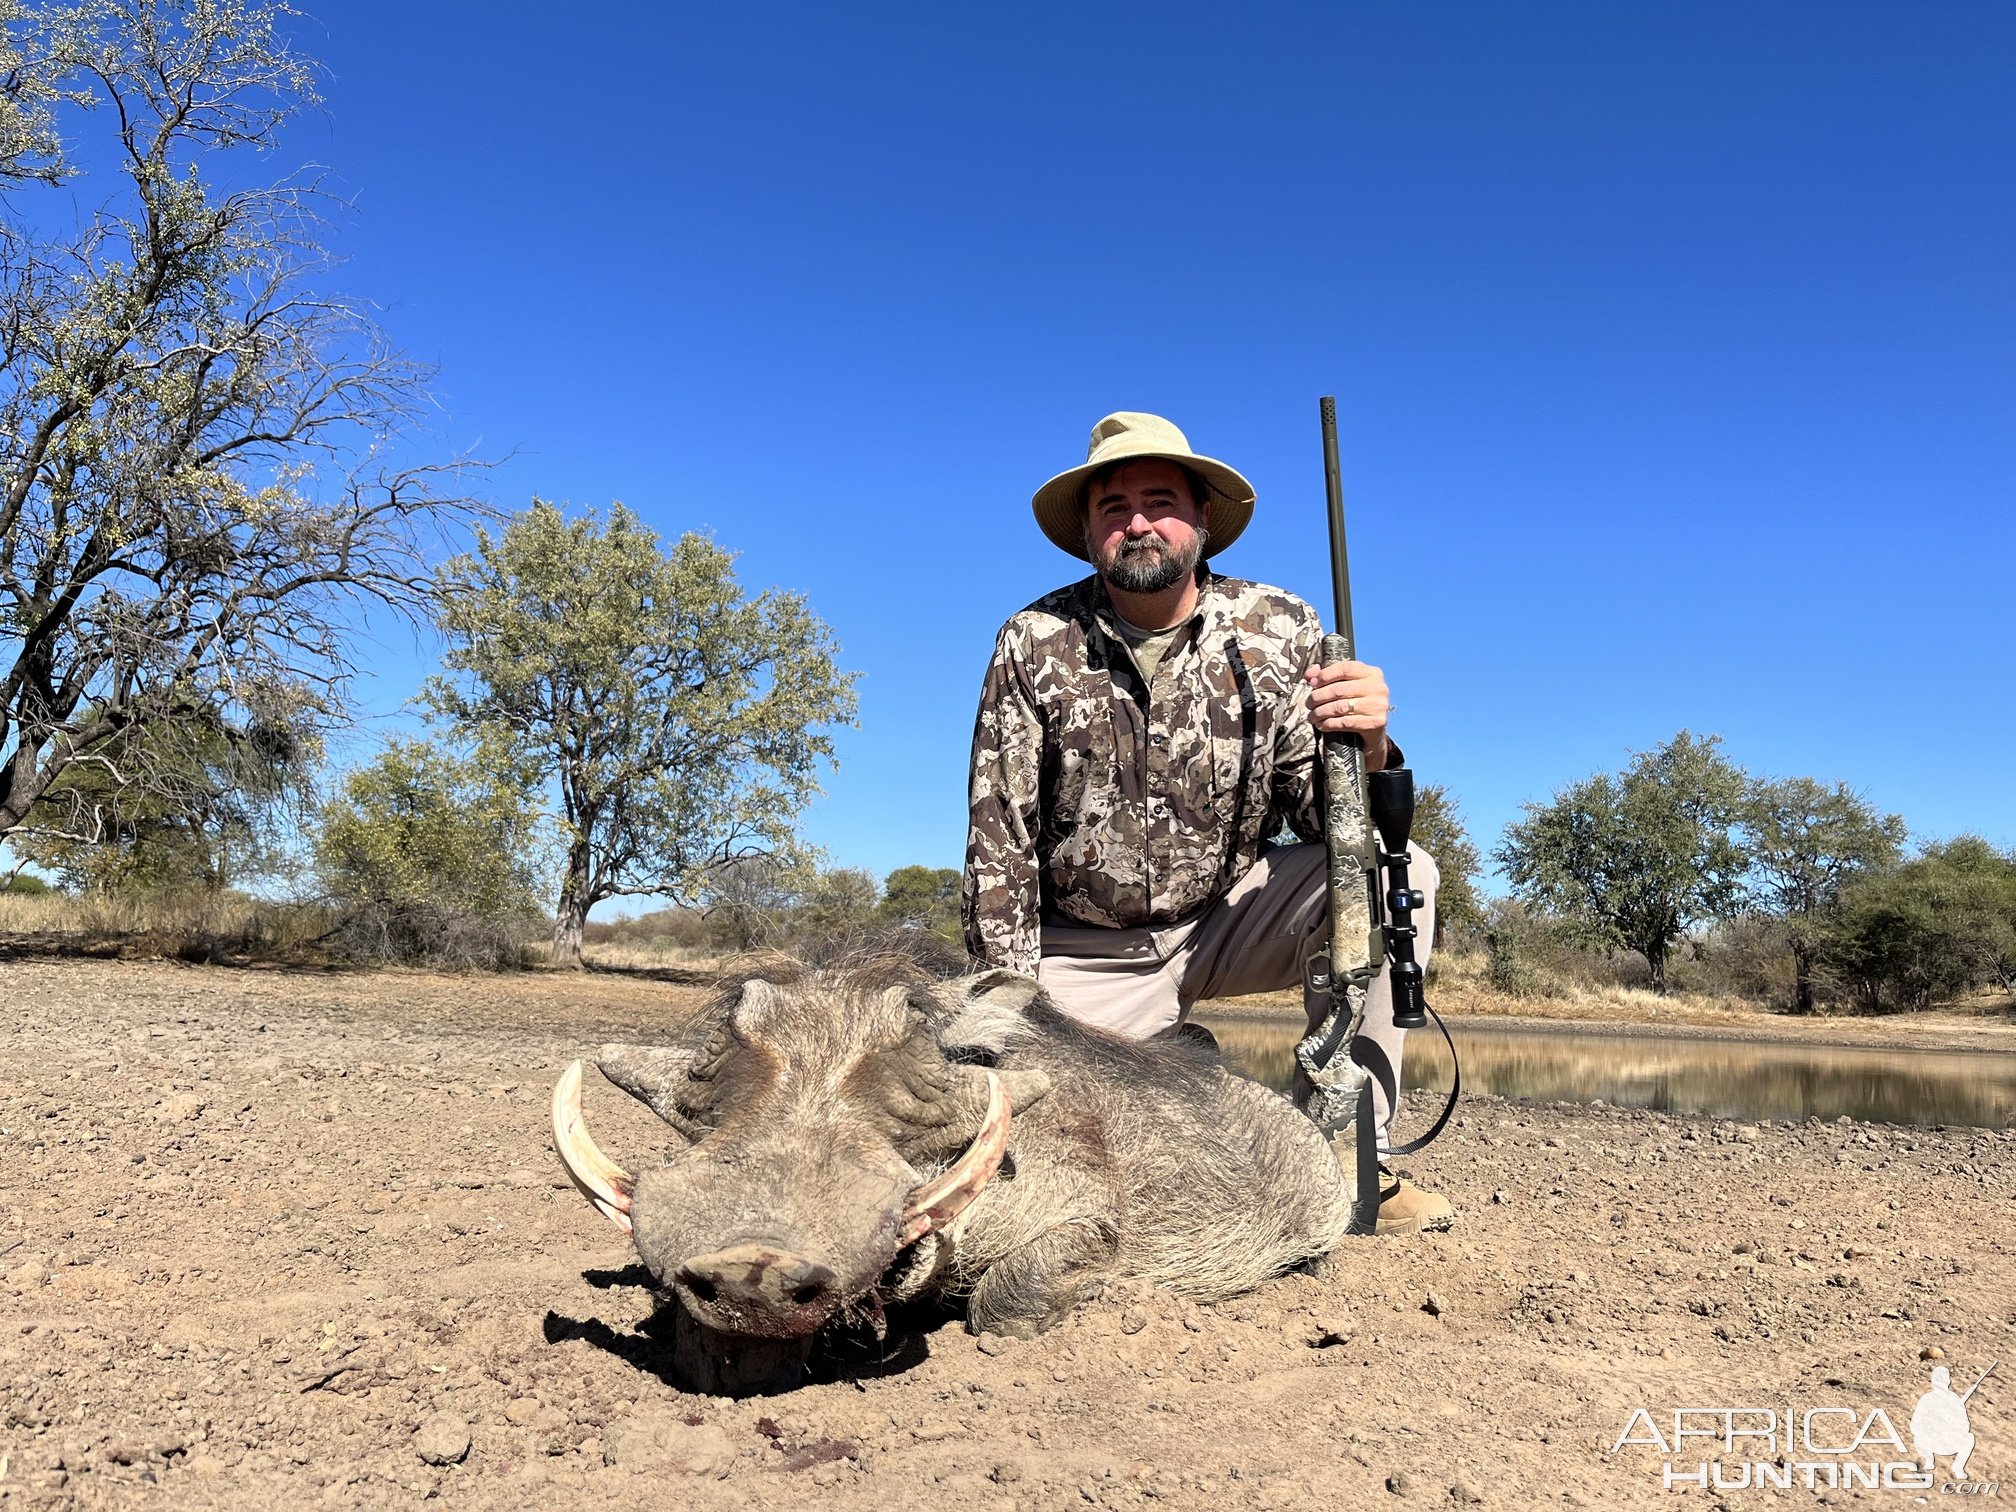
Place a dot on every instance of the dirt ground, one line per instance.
(277, 1238)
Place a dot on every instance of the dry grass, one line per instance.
(199, 925)
(180, 923)
(1463, 985)
(646, 955)
(1460, 983)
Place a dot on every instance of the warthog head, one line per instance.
(826, 1125)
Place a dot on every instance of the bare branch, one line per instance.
(193, 504)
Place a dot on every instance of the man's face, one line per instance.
(1144, 531)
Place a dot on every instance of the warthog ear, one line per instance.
(757, 1000)
(652, 1076)
(988, 1009)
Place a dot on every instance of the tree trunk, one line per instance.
(1655, 957)
(567, 927)
(570, 917)
(1802, 977)
(18, 787)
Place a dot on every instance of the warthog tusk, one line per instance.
(603, 1182)
(941, 1199)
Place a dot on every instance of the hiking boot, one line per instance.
(1405, 1209)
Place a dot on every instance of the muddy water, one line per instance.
(1717, 1077)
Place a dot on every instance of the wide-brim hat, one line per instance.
(1060, 503)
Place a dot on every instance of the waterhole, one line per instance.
(1719, 1078)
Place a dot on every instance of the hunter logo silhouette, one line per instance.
(1939, 1421)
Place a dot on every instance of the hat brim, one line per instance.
(1060, 503)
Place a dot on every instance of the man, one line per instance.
(1143, 736)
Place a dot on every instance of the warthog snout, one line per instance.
(755, 1289)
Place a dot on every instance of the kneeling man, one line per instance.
(1144, 736)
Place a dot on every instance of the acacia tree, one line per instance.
(1439, 830)
(430, 858)
(922, 897)
(678, 723)
(205, 804)
(193, 505)
(1634, 859)
(1929, 929)
(747, 898)
(1807, 842)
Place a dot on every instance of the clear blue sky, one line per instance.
(1672, 342)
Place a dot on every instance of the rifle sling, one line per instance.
(1368, 1054)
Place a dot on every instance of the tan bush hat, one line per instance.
(1060, 503)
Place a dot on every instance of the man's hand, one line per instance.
(1352, 696)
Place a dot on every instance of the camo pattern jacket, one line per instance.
(1098, 799)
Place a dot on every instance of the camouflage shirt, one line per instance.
(1100, 799)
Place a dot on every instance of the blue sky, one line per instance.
(1672, 342)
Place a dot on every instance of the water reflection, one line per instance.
(1717, 1077)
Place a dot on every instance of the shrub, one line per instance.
(428, 860)
(1927, 931)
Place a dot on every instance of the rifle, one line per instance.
(1367, 818)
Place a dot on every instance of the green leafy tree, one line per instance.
(922, 897)
(1636, 858)
(430, 858)
(199, 801)
(192, 505)
(838, 907)
(1927, 930)
(1807, 841)
(678, 722)
(1439, 830)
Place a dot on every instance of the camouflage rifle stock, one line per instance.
(1366, 819)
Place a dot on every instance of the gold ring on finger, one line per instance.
(1350, 706)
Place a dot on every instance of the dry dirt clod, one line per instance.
(442, 1440)
(1324, 1332)
(1133, 1321)
(1434, 1305)
(1400, 1483)
(648, 1441)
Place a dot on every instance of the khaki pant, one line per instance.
(1139, 982)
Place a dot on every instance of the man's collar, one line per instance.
(1209, 595)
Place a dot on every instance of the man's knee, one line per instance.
(1305, 869)
(1135, 1003)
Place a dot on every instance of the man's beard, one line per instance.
(1149, 564)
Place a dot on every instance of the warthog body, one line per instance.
(821, 1115)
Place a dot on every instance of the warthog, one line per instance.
(850, 1138)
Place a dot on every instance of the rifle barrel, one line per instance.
(1977, 1385)
(1340, 567)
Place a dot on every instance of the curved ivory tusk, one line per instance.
(941, 1199)
(603, 1182)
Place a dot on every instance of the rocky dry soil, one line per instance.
(293, 1239)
